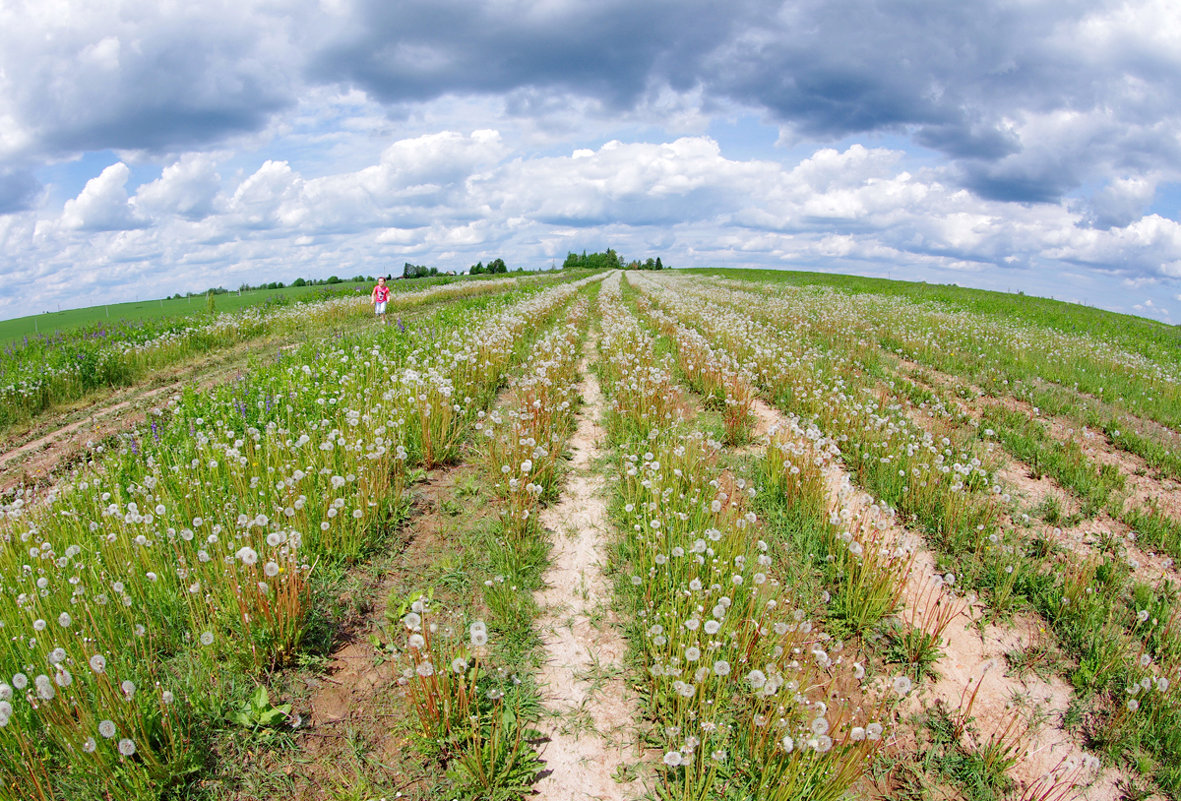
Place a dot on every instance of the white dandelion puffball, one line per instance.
(126, 747)
(673, 758)
(107, 729)
(207, 638)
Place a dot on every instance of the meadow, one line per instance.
(852, 539)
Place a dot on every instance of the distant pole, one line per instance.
(108, 310)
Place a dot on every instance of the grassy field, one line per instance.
(49, 324)
(787, 536)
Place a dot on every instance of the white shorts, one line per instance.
(379, 308)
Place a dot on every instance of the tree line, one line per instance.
(609, 260)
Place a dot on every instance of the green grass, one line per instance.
(60, 322)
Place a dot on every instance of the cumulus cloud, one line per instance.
(103, 204)
(1120, 203)
(187, 188)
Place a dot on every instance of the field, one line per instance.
(719, 534)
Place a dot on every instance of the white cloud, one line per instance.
(103, 204)
(186, 188)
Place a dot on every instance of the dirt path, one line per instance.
(592, 720)
(973, 653)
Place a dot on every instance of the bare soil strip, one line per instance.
(592, 751)
(973, 653)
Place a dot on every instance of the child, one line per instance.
(381, 294)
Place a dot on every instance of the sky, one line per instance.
(149, 147)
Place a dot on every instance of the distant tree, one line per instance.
(299, 282)
(497, 266)
(332, 279)
(659, 266)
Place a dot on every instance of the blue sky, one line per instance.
(148, 148)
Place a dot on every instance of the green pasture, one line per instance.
(47, 324)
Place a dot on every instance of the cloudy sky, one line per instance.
(155, 146)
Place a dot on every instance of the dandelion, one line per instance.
(248, 555)
(902, 685)
(756, 679)
(873, 731)
(167, 697)
(126, 747)
(417, 641)
(479, 634)
(45, 690)
(1133, 705)
(425, 669)
(722, 667)
(692, 653)
(207, 638)
(857, 734)
(271, 569)
(90, 745)
(458, 665)
(128, 688)
(20, 681)
(495, 694)
(673, 759)
(107, 729)
(788, 744)
(64, 620)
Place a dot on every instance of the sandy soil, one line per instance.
(592, 727)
